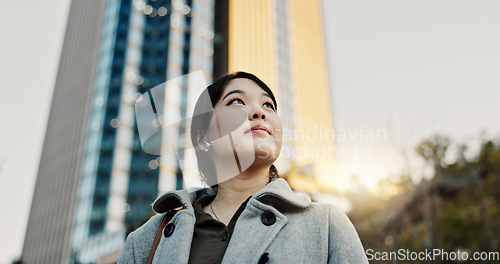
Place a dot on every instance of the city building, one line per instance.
(282, 41)
(95, 181)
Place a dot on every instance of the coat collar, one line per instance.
(276, 193)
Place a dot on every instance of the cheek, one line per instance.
(228, 121)
(275, 121)
(212, 132)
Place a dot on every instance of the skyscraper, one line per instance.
(51, 216)
(282, 41)
(95, 182)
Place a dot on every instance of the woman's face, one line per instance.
(247, 115)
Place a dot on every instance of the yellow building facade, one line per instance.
(282, 42)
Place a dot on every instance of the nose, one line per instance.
(256, 114)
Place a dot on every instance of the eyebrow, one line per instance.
(232, 92)
(266, 94)
(242, 92)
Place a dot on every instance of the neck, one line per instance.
(233, 192)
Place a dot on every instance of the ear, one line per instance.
(199, 141)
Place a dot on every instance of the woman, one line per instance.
(249, 215)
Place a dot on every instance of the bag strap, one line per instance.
(164, 221)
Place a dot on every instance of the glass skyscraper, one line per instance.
(95, 182)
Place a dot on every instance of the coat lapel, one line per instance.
(251, 237)
(176, 247)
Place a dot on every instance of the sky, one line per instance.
(408, 68)
(412, 68)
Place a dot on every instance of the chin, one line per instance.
(268, 153)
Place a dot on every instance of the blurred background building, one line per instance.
(95, 183)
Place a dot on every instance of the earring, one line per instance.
(206, 143)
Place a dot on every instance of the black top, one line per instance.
(211, 237)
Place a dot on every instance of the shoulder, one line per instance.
(330, 229)
(337, 221)
(344, 243)
(328, 216)
(140, 241)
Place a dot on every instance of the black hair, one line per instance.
(201, 119)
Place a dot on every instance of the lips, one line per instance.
(259, 127)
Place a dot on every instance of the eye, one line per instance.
(235, 101)
(270, 105)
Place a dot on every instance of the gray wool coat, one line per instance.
(298, 231)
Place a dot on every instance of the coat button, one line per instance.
(268, 218)
(264, 258)
(169, 230)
